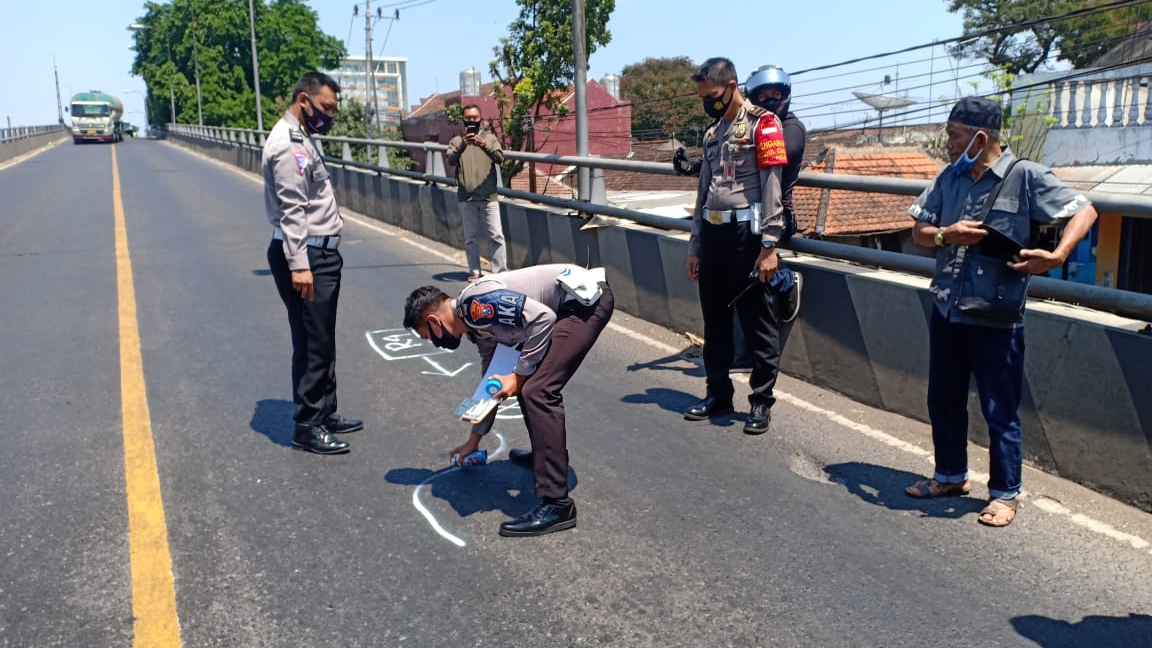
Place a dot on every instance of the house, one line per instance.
(862, 218)
(1093, 127)
(609, 123)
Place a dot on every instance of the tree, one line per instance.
(1080, 40)
(536, 64)
(349, 123)
(215, 33)
(663, 97)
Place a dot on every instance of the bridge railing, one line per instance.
(18, 140)
(1122, 302)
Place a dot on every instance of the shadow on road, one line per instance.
(678, 401)
(675, 362)
(884, 486)
(461, 276)
(273, 418)
(1096, 631)
(498, 486)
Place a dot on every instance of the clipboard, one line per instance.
(480, 404)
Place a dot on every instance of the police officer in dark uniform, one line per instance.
(531, 310)
(736, 224)
(305, 260)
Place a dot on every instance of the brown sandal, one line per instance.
(992, 514)
(930, 488)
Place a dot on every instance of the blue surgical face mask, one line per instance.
(964, 164)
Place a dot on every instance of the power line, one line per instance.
(981, 34)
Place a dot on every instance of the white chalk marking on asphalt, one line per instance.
(428, 514)
(1042, 503)
(441, 371)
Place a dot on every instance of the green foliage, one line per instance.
(663, 98)
(216, 33)
(1080, 40)
(535, 61)
(455, 113)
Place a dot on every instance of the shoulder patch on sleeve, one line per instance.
(497, 307)
(771, 149)
(295, 135)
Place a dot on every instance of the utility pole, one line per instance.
(196, 66)
(580, 50)
(59, 103)
(255, 67)
(370, 81)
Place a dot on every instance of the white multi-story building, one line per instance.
(390, 74)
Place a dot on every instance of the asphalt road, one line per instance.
(690, 534)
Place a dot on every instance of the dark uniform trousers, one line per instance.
(577, 327)
(313, 325)
(728, 254)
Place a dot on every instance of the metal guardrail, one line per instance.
(25, 132)
(1121, 302)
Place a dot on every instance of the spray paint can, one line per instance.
(477, 458)
(493, 386)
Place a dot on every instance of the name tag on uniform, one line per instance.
(319, 173)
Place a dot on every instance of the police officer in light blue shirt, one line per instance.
(980, 214)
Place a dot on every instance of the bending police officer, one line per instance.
(530, 310)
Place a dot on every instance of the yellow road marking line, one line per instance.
(155, 624)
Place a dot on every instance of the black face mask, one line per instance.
(715, 107)
(445, 341)
(318, 122)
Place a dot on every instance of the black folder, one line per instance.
(997, 245)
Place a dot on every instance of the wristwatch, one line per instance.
(938, 237)
(768, 245)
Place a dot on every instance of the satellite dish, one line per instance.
(882, 101)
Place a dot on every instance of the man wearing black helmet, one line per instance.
(770, 88)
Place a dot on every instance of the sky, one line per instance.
(440, 38)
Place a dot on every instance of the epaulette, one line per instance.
(295, 135)
(757, 111)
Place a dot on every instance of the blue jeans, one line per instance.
(995, 357)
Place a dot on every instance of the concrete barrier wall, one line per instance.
(15, 147)
(862, 332)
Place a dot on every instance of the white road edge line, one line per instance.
(428, 514)
(1044, 504)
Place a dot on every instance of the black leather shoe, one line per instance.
(337, 424)
(759, 418)
(545, 518)
(790, 301)
(709, 407)
(520, 457)
(314, 438)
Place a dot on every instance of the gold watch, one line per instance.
(938, 237)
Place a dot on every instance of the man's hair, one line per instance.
(312, 82)
(472, 107)
(421, 301)
(718, 70)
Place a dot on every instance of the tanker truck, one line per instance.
(96, 117)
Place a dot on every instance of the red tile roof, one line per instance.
(853, 213)
(545, 185)
(651, 151)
